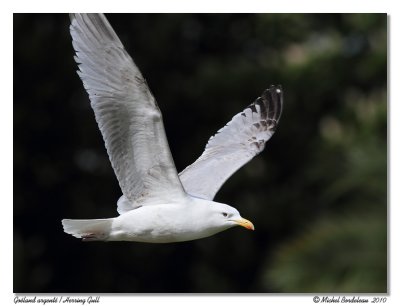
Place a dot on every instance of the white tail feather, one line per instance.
(88, 230)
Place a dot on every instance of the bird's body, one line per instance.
(158, 205)
(163, 223)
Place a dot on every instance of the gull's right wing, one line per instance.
(234, 145)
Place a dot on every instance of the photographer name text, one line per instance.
(348, 300)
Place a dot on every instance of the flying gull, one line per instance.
(159, 205)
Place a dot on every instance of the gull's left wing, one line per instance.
(126, 112)
(234, 145)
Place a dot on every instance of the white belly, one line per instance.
(160, 224)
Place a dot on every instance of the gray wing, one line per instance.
(126, 112)
(234, 145)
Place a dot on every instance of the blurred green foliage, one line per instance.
(317, 195)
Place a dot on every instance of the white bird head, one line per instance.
(224, 216)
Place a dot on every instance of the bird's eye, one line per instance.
(225, 214)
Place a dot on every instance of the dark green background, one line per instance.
(317, 195)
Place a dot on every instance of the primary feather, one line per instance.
(234, 145)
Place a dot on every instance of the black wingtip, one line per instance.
(273, 101)
(269, 106)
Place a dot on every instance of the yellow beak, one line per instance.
(245, 223)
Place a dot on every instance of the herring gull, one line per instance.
(159, 205)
